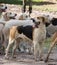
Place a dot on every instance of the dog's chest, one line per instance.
(39, 34)
(27, 30)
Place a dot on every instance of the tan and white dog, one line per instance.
(38, 36)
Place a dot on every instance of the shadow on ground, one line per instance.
(42, 3)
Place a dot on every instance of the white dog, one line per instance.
(2, 9)
(6, 17)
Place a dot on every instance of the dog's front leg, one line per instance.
(35, 49)
(8, 47)
(40, 51)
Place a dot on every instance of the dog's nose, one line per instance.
(6, 7)
(38, 23)
(33, 19)
(15, 14)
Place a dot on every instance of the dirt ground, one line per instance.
(35, 11)
(26, 59)
(23, 58)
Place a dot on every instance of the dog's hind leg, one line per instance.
(17, 41)
(8, 47)
(36, 49)
(53, 43)
(11, 40)
(13, 51)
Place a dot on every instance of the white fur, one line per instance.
(18, 23)
(4, 17)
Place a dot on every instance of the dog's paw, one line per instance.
(46, 60)
(13, 56)
(6, 57)
(40, 59)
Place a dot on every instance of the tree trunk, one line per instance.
(30, 6)
(24, 6)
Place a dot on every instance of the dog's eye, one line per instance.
(26, 16)
(1, 5)
(47, 15)
(10, 13)
(38, 17)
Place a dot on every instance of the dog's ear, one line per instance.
(41, 18)
(5, 14)
(21, 17)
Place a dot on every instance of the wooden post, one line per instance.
(30, 6)
(24, 6)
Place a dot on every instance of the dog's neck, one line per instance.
(3, 18)
(42, 26)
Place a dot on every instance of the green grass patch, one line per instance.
(47, 43)
(11, 1)
(36, 0)
(16, 1)
(46, 7)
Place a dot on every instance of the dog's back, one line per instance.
(54, 21)
(26, 30)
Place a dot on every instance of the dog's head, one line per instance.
(9, 15)
(23, 16)
(48, 16)
(3, 8)
(36, 22)
(44, 20)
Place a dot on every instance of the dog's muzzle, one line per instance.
(3, 9)
(36, 24)
(6, 7)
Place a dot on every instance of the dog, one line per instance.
(8, 23)
(53, 39)
(2, 9)
(37, 35)
(6, 17)
(53, 42)
(54, 21)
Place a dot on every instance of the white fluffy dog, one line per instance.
(2, 9)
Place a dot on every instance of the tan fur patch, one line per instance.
(41, 18)
(21, 17)
(54, 37)
(12, 32)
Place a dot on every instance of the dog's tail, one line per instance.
(3, 22)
